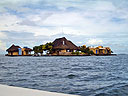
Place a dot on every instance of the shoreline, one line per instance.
(62, 55)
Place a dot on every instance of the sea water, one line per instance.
(80, 75)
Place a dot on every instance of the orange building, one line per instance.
(100, 50)
(18, 51)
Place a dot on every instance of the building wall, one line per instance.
(63, 51)
(20, 51)
(108, 50)
(9, 53)
(13, 53)
(95, 51)
(105, 51)
(100, 51)
(17, 53)
(24, 52)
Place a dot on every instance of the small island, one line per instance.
(59, 47)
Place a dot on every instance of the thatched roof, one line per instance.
(28, 49)
(13, 48)
(63, 43)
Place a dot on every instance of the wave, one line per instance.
(120, 89)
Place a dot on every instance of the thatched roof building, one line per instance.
(18, 51)
(63, 43)
(27, 49)
(13, 48)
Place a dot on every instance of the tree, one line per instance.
(86, 50)
(46, 47)
(49, 47)
(91, 53)
(83, 48)
(36, 50)
(43, 47)
(40, 49)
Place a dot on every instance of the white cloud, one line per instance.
(104, 6)
(7, 21)
(2, 46)
(94, 18)
(3, 35)
(94, 42)
(46, 23)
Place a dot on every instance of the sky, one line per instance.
(84, 22)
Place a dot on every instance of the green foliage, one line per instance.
(76, 53)
(46, 47)
(87, 50)
(40, 49)
(43, 47)
(49, 47)
(83, 49)
(73, 53)
(36, 49)
(91, 53)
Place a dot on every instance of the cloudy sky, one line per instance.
(89, 22)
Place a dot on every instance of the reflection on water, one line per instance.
(86, 76)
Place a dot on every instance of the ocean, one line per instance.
(79, 75)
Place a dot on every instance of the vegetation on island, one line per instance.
(41, 48)
(83, 50)
(48, 48)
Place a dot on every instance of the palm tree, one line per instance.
(36, 50)
(49, 47)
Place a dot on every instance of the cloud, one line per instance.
(88, 20)
(94, 42)
(33, 22)
(2, 46)
(62, 5)
(2, 35)
(46, 23)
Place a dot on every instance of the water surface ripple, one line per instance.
(86, 76)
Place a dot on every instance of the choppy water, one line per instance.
(86, 76)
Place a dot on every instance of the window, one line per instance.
(63, 43)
